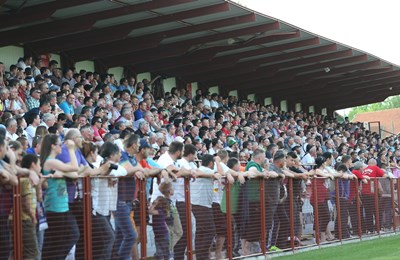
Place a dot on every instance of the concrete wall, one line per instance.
(268, 101)
(214, 90)
(251, 97)
(169, 83)
(284, 105)
(9, 55)
(85, 65)
(298, 107)
(233, 93)
(195, 87)
(117, 71)
(142, 76)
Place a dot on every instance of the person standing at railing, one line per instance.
(186, 163)
(125, 234)
(367, 194)
(29, 204)
(141, 157)
(58, 239)
(344, 195)
(201, 193)
(277, 205)
(7, 180)
(249, 202)
(292, 163)
(220, 218)
(322, 197)
(358, 168)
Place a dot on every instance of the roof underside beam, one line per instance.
(180, 48)
(119, 32)
(152, 40)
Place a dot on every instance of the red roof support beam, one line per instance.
(179, 48)
(355, 89)
(118, 32)
(37, 12)
(290, 75)
(76, 24)
(284, 82)
(234, 58)
(326, 85)
(249, 66)
(206, 55)
(131, 44)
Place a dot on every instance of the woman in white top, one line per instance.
(104, 196)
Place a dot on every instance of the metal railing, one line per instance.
(362, 205)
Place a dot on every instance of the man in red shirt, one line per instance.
(367, 194)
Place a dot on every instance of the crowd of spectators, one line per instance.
(58, 125)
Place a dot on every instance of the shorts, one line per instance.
(219, 220)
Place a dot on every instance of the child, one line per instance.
(174, 224)
(160, 212)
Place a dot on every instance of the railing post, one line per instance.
(291, 213)
(188, 220)
(87, 217)
(338, 212)
(143, 222)
(376, 202)
(398, 196)
(262, 216)
(358, 208)
(315, 198)
(393, 205)
(17, 222)
(228, 220)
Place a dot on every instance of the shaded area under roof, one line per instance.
(213, 42)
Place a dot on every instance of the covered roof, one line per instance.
(213, 42)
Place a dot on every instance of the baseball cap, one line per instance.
(144, 144)
(231, 142)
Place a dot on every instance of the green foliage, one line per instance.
(390, 102)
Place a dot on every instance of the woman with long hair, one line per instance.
(58, 239)
(321, 203)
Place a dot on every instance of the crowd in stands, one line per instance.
(59, 125)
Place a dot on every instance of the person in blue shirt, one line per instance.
(68, 106)
(125, 234)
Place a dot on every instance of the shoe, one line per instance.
(274, 249)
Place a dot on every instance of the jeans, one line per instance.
(102, 237)
(125, 235)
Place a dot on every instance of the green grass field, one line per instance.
(376, 249)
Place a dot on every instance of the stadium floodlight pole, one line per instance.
(376, 202)
(291, 213)
(393, 205)
(228, 220)
(338, 217)
(358, 206)
(262, 216)
(188, 219)
(143, 225)
(316, 223)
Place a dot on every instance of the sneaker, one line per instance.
(274, 249)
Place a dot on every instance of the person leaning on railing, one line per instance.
(58, 239)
